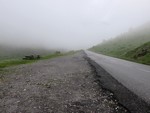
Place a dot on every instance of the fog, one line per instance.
(68, 24)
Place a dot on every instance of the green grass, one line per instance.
(12, 62)
(134, 54)
(18, 61)
(125, 45)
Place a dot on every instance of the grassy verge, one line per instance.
(18, 61)
(12, 62)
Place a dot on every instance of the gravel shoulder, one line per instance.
(61, 85)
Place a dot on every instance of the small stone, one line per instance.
(16, 78)
(18, 101)
(117, 108)
(48, 86)
(111, 94)
(27, 80)
(11, 86)
(24, 89)
(105, 100)
(65, 106)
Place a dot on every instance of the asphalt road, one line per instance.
(134, 76)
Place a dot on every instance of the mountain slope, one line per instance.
(121, 45)
(140, 54)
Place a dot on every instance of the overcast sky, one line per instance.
(71, 24)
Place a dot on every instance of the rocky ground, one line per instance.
(62, 85)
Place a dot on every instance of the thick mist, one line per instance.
(68, 24)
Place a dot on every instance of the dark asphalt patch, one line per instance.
(125, 97)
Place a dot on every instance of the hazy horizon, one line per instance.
(68, 24)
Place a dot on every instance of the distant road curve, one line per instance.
(134, 76)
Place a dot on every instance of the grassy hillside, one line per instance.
(122, 45)
(140, 54)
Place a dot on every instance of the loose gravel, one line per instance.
(61, 85)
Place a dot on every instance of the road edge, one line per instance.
(123, 95)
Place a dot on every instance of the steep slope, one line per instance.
(123, 44)
(140, 54)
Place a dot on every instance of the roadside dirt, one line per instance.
(62, 85)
